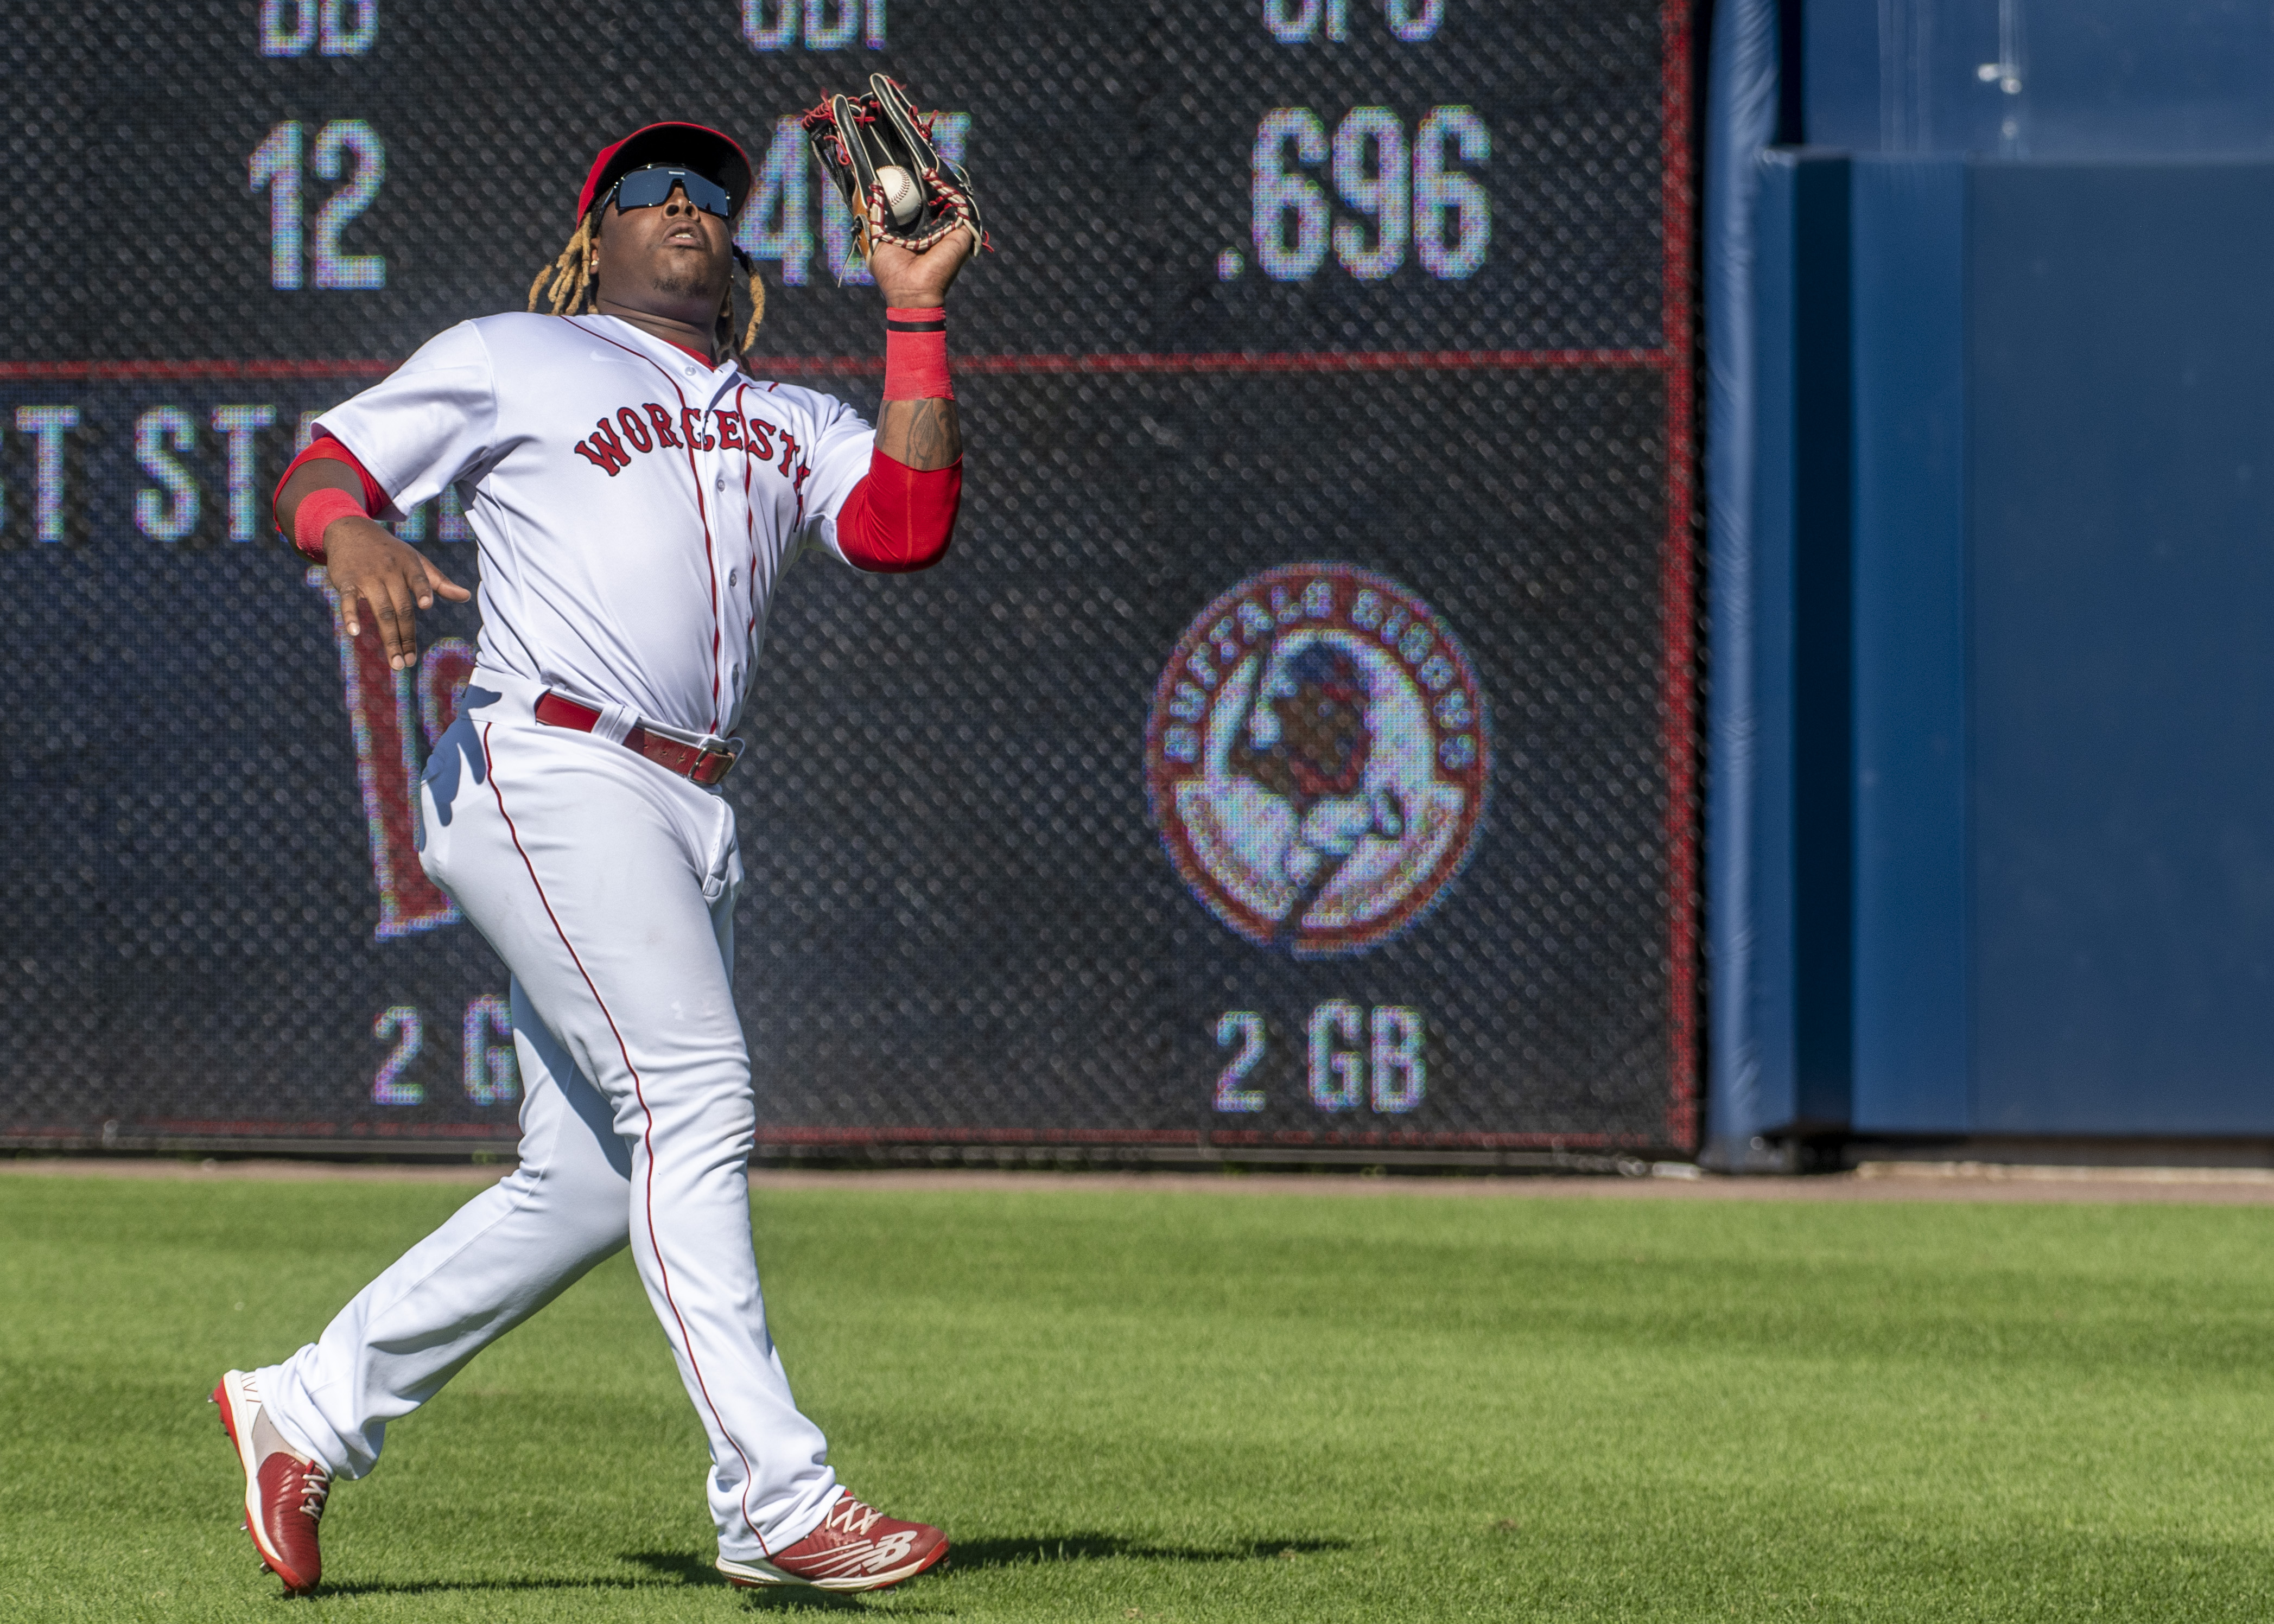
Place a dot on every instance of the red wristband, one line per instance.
(915, 355)
(318, 509)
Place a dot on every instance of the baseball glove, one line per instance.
(878, 149)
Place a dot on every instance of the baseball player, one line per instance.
(635, 493)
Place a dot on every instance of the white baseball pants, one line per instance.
(608, 885)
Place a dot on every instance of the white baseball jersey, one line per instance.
(634, 507)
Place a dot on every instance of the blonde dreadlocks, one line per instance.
(570, 288)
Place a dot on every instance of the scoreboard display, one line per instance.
(1326, 348)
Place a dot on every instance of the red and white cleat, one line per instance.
(283, 1498)
(857, 1548)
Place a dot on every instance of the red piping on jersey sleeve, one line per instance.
(900, 518)
(324, 448)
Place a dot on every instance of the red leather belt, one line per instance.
(705, 761)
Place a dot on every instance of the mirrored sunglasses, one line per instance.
(650, 187)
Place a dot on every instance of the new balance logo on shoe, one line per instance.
(856, 1547)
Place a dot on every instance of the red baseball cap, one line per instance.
(709, 153)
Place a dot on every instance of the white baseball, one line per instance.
(903, 199)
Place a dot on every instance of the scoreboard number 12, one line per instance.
(346, 148)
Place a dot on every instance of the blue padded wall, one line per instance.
(2122, 515)
(1912, 956)
(1800, 645)
(2062, 725)
(2009, 784)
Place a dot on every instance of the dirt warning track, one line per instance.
(1873, 1181)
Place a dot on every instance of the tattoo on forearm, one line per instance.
(926, 433)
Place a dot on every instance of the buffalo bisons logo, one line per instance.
(1317, 758)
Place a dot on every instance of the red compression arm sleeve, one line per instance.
(329, 504)
(324, 448)
(900, 518)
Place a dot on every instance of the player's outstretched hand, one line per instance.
(912, 280)
(367, 561)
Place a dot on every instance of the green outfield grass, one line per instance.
(1180, 1405)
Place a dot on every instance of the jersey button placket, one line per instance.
(716, 455)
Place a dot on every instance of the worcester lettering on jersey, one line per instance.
(633, 504)
(651, 426)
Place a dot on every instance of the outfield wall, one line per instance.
(1998, 863)
(1366, 323)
